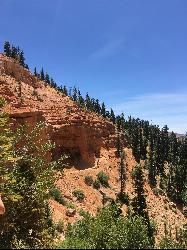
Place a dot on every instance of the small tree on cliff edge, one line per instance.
(22, 59)
(42, 75)
(7, 49)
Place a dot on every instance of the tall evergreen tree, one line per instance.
(97, 106)
(112, 116)
(103, 110)
(173, 148)
(22, 59)
(14, 52)
(165, 142)
(35, 72)
(53, 83)
(139, 201)
(42, 75)
(64, 90)
(88, 102)
(7, 49)
(118, 146)
(47, 79)
(80, 99)
(74, 95)
(152, 170)
(122, 171)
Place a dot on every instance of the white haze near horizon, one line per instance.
(159, 108)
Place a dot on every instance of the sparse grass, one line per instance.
(103, 179)
(57, 196)
(79, 194)
(96, 184)
(70, 205)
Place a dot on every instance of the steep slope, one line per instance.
(80, 133)
(87, 137)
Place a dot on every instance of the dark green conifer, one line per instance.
(22, 59)
(112, 116)
(35, 72)
(47, 79)
(103, 110)
(7, 49)
(42, 75)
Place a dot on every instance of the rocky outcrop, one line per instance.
(70, 212)
(10, 67)
(80, 133)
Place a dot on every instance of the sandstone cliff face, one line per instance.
(79, 133)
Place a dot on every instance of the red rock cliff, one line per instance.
(80, 133)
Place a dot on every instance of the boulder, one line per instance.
(71, 212)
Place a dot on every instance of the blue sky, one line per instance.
(131, 54)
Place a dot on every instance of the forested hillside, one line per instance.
(76, 175)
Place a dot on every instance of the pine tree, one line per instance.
(42, 75)
(122, 171)
(103, 110)
(97, 106)
(139, 202)
(14, 52)
(93, 105)
(22, 59)
(35, 72)
(64, 90)
(47, 79)
(118, 146)
(70, 92)
(80, 99)
(152, 170)
(7, 50)
(165, 142)
(74, 95)
(53, 83)
(88, 102)
(112, 116)
(173, 148)
(122, 119)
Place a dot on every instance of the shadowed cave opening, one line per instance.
(75, 158)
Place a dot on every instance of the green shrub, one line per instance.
(27, 222)
(59, 226)
(84, 213)
(123, 198)
(88, 180)
(70, 205)
(108, 230)
(168, 243)
(103, 179)
(79, 194)
(96, 184)
(57, 196)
